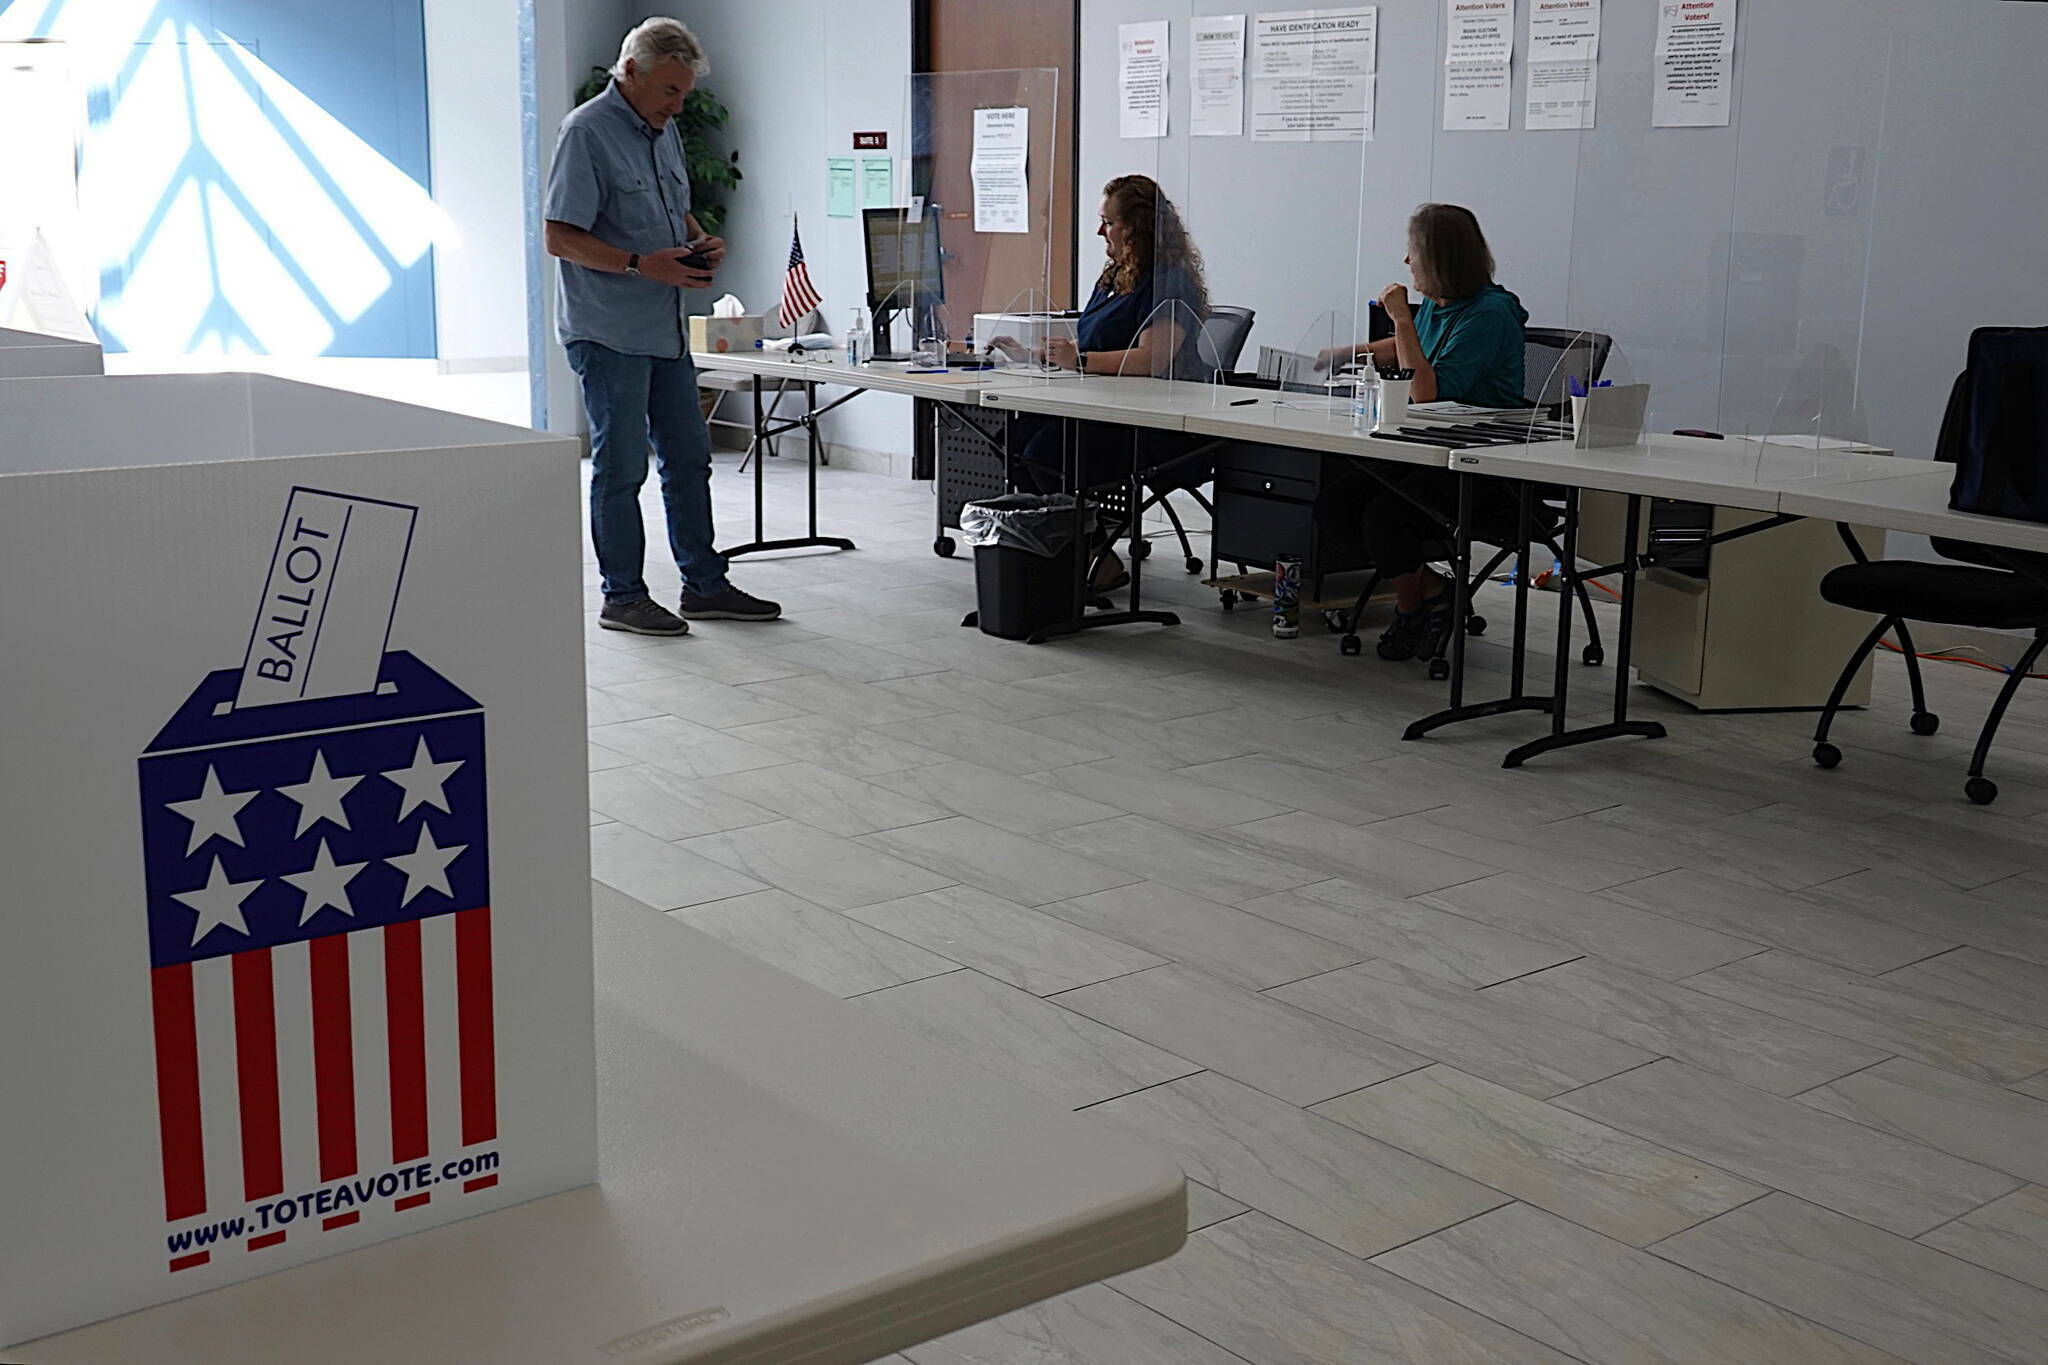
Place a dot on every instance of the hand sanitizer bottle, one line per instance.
(857, 339)
(1365, 399)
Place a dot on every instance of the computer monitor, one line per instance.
(905, 266)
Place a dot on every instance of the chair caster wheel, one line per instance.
(1593, 655)
(1351, 646)
(1228, 599)
(1195, 565)
(1141, 549)
(1475, 626)
(943, 547)
(1439, 669)
(1925, 722)
(1827, 755)
(1981, 790)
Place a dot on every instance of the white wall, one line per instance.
(473, 123)
(1712, 255)
(800, 77)
(570, 37)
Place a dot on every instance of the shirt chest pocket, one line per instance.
(644, 202)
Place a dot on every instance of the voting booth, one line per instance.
(296, 955)
(28, 355)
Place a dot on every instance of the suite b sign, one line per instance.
(321, 979)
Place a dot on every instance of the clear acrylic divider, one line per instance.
(967, 257)
(1172, 345)
(1802, 222)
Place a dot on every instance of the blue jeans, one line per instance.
(630, 398)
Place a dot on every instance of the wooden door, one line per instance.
(957, 39)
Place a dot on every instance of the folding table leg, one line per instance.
(1620, 727)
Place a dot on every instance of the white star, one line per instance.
(212, 812)
(426, 866)
(219, 903)
(319, 796)
(424, 780)
(325, 883)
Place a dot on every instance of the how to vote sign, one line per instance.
(331, 995)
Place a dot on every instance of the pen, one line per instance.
(1244, 402)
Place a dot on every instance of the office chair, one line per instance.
(726, 386)
(1992, 433)
(1553, 356)
(1224, 332)
(1994, 589)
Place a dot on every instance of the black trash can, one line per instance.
(1025, 551)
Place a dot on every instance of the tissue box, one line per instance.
(715, 336)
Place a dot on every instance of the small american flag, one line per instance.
(799, 295)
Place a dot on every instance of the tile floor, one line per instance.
(1683, 1051)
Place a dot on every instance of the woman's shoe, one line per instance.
(1109, 575)
(1416, 632)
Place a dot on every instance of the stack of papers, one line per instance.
(1465, 412)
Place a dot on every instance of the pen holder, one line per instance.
(1393, 402)
(1609, 417)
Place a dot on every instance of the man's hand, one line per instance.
(1062, 353)
(711, 248)
(1395, 300)
(666, 267)
(1334, 357)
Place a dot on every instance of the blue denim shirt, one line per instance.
(625, 183)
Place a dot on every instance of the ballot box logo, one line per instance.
(317, 873)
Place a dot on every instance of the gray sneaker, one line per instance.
(729, 604)
(642, 617)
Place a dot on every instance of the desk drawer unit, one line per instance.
(971, 463)
(1266, 507)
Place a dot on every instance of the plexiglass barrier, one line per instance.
(959, 269)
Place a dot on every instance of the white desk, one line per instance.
(1917, 503)
(1126, 400)
(1746, 474)
(786, 1177)
(758, 364)
(1302, 422)
(886, 376)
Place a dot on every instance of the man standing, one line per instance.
(618, 218)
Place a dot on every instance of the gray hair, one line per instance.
(659, 40)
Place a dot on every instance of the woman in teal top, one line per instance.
(1465, 344)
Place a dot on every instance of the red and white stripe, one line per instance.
(799, 296)
(282, 1070)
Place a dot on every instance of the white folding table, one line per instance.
(1748, 475)
(786, 1178)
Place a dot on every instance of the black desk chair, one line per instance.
(1223, 336)
(1989, 588)
(1996, 433)
(1553, 357)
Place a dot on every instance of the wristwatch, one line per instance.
(1081, 362)
(633, 264)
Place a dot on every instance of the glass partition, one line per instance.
(959, 266)
(1726, 250)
